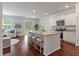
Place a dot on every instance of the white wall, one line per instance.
(77, 24)
(68, 16)
(1, 42)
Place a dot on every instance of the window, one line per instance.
(7, 24)
(26, 25)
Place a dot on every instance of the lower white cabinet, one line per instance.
(65, 36)
(69, 36)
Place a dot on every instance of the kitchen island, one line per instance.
(49, 41)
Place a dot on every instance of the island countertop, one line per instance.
(45, 33)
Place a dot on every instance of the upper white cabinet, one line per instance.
(70, 19)
(67, 19)
(53, 21)
(45, 23)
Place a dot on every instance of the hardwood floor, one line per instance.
(23, 49)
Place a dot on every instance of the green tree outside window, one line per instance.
(7, 24)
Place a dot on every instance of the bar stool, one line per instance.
(33, 39)
(39, 43)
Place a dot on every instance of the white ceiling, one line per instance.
(25, 9)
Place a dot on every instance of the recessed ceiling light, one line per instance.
(34, 11)
(66, 6)
(46, 14)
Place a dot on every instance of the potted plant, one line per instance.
(36, 26)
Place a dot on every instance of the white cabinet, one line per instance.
(65, 35)
(53, 21)
(72, 36)
(70, 19)
(69, 36)
(77, 25)
(67, 18)
(46, 23)
(73, 19)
